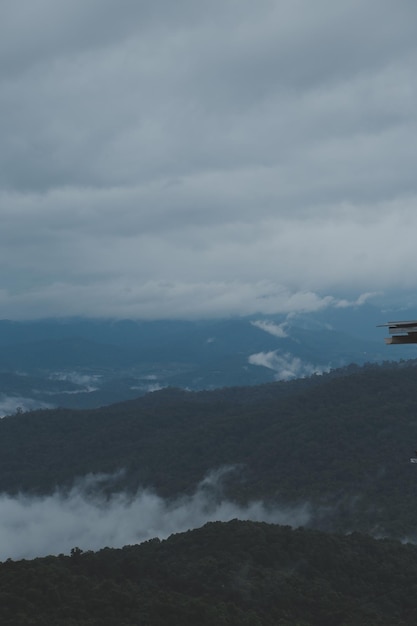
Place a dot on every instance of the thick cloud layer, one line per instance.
(31, 527)
(191, 159)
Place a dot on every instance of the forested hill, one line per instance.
(339, 443)
(234, 574)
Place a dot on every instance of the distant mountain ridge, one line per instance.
(125, 358)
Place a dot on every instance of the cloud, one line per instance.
(11, 404)
(38, 526)
(222, 149)
(285, 365)
(88, 382)
(277, 330)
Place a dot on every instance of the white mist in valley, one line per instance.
(10, 404)
(286, 365)
(83, 517)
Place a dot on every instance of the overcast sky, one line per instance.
(181, 158)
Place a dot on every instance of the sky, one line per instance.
(190, 159)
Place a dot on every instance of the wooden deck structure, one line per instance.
(402, 332)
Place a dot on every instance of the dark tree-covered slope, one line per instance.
(232, 574)
(340, 442)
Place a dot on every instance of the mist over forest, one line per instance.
(330, 452)
(103, 447)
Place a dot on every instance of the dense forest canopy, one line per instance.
(236, 573)
(340, 442)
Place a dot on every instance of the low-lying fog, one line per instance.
(84, 518)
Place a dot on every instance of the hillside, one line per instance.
(236, 573)
(338, 443)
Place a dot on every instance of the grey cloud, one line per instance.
(153, 299)
(155, 151)
(202, 267)
(78, 112)
(277, 330)
(50, 29)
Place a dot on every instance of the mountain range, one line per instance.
(93, 362)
